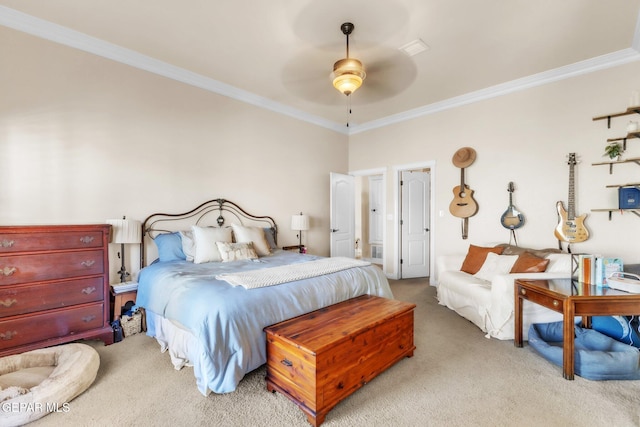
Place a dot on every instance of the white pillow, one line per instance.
(495, 264)
(252, 234)
(559, 263)
(236, 251)
(188, 245)
(205, 239)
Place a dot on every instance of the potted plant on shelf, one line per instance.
(614, 150)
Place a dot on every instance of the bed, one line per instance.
(210, 283)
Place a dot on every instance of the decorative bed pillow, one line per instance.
(495, 264)
(188, 245)
(252, 234)
(270, 237)
(205, 239)
(529, 263)
(236, 251)
(169, 247)
(475, 258)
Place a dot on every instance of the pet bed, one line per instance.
(597, 356)
(38, 382)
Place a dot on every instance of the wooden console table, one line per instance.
(571, 298)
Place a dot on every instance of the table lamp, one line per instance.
(125, 231)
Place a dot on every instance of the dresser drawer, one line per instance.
(50, 266)
(55, 323)
(41, 241)
(16, 300)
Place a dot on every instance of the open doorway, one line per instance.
(370, 225)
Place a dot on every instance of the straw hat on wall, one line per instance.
(464, 157)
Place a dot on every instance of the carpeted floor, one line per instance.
(456, 378)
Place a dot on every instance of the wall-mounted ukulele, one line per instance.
(463, 205)
(512, 218)
(570, 228)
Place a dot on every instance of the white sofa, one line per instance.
(490, 304)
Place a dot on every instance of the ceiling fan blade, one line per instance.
(308, 76)
(387, 77)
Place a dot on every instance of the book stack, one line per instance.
(119, 288)
(594, 269)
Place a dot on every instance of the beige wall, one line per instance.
(523, 137)
(84, 139)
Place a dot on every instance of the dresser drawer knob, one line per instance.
(88, 263)
(8, 335)
(286, 362)
(8, 302)
(556, 303)
(7, 243)
(86, 239)
(8, 271)
(87, 319)
(89, 290)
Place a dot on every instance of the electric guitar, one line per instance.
(463, 205)
(511, 218)
(571, 228)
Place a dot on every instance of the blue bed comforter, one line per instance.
(228, 321)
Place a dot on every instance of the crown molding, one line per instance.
(29, 24)
(59, 34)
(583, 67)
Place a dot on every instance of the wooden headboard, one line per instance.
(213, 213)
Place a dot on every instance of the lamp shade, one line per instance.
(125, 230)
(300, 222)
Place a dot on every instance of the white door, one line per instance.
(415, 218)
(375, 210)
(342, 206)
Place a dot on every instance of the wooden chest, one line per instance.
(318, 359)
(54, 283)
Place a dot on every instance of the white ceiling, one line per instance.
(278, 54)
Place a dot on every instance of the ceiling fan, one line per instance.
(388, 71)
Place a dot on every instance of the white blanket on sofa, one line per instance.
(490, 304)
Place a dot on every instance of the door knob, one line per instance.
(333, 230)
(426, 229)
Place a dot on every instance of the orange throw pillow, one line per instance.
(476, 257)
(529, 263)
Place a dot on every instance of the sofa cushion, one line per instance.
(516, 250)
(559, 263)
(476, 257)
(496, 264)
(529, 263)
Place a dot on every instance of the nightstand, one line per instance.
(296, 248)
(119, 299)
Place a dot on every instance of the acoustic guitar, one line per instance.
(570, 227)
(511, 218)
(463, 205)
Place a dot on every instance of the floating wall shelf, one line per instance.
(630, 110)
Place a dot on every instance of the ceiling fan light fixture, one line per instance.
(348, 74)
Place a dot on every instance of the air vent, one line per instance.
(414, 47)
